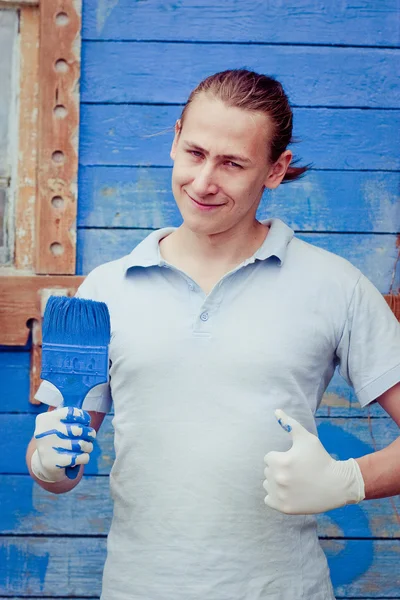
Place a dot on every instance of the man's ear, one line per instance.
(178, 127)
(278, 170)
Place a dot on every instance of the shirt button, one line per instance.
(204, 316)
(191, 287)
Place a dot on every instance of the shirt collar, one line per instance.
(276, 242)
(147, 253)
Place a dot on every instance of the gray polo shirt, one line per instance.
(195, 380)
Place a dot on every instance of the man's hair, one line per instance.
(245, 89)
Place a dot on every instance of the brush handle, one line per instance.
(72, 472)
(74, 370)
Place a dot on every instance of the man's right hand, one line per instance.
(63, 438)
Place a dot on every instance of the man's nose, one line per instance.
(204, 182)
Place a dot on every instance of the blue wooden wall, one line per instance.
(140, 59)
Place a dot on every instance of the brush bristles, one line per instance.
(75, 321)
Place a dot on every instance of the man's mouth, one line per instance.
(204, 205)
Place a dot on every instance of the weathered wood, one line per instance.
(18, 3)
(310, 22)
(59, 70)
(394, 303)
(330, 138)
(131, 72)
(38, 566)
(27, 509)
(8, 121)
(27, 139)
(344, 438)
(374, 255)
(334, 201)
(339, 400)
(20, 302)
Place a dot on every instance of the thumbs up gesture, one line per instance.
(306, 479)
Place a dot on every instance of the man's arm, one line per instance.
(60, 487)
(381, 469)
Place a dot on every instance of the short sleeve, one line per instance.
(98, 399)
(369, 348)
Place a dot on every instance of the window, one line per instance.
(8, 69)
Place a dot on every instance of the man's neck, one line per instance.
(218, 251)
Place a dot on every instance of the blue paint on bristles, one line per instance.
(76, 335)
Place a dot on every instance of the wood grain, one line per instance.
(27, 509)
(28, 139)
(374, 255)
(289, 22)
(130, 72)
(37, 566)
(330, 138)
(20, 302)
(339, 399)
(335, 201)
(59, 70)
(343, 437)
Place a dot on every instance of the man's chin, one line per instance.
(200, 226)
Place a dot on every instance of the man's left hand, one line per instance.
(306, 479)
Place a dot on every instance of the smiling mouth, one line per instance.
(203, 204)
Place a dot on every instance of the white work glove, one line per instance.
(62, 440)
(306, 479)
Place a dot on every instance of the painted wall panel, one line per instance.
(357, 201)
(374, 255)
(14, 369)
(365, 23)
(342, 437)
(37, 566)
(339, 399)
(27, 509)
(331, 138)
(129, 72)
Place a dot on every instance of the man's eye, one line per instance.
(233, 164)
(195, 153)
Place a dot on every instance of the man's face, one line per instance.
(221, 165)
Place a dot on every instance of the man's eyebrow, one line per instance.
(232, 157)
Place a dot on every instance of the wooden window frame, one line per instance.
(45, 207)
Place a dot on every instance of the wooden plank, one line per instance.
(339, 399)
(394, 303)
(27, 139)
(18, 3)
(374, 255)
(38, 566)
(142, 197)
(51, 567)
(308, 22)
(330, 138)
(27, 509)
(343, 437)
(379, 263)
(59, 71)
(8, 97)
(135, 72)
(14, 369)
(363, 568)
(20, 301)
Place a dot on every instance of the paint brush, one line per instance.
(76, 335)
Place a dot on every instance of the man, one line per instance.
(217, 326)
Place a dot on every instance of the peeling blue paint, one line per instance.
(343, 566)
